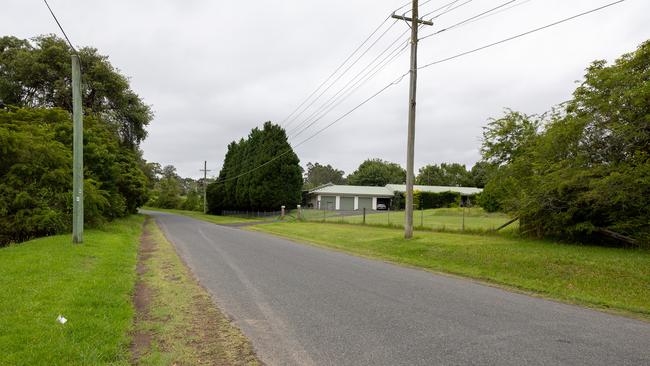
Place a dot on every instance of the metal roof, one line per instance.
(465, 191)
(388, 191)
(352, 191)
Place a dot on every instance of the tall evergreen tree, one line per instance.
(260, 172)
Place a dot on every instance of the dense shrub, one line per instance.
(583, 169)
(36, 174)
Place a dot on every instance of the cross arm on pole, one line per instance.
(421, 21)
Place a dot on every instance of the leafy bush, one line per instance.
(36, 174)
(584, 168)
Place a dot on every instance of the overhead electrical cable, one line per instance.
(469, 19)
(305, 108)
(60, 27)
(353, 88)
(338, 68)
(354, 78)
(521, 34)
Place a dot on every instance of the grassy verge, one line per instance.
(605, 278)
(89, 284)
(177, 323)
(205, 217)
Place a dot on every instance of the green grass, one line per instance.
(206, 217)
(441, 219)
(89, 284)
(605, 278)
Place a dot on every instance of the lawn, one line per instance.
(90, 284)
(207, 217)
(441, 219)
(605, 278)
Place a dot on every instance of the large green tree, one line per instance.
(586, 171)
(377, 172)
(36, 73)
(445, 174)
(260, 172)
(318, 175)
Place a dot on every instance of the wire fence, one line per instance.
(442, 219)
(469, 219)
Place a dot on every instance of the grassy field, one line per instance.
(206, 217)
(90, 284)
(605, 278)
(441, 219)
(177, 322)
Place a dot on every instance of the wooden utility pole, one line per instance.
(205, 186)
(410, 146)
(77, 151)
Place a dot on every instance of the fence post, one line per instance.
(388, 212)
(422, 216)
(364, 215)
(323, 215)
(463, 228)
(282, 213)
(299, 212)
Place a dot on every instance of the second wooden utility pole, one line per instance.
(410, 146)
(205, 186)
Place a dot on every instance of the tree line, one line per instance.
(36, 139)
(582, 170)
(378, 173)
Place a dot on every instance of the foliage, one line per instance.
(588, 167)
(318, 175)
(481, 173)
(36, 74)
(427, 200)
(168, 189)
(259, 173)
(377, 172)
(36, 170)
(449, 175)
(193, 201)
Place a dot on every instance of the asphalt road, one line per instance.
(302, 305)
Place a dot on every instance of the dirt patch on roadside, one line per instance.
(142, 298)
(176, 320)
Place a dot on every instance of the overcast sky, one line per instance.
(212, 70)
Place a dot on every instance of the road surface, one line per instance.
(302, 305)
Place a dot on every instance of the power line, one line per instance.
(469, 19)
(521, 34)
(60, 27)
(337, 69)
(448, 10)
(356, 86)
(342, 74)
(361, 72)
(499, 12)
(348, 59)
